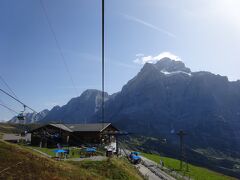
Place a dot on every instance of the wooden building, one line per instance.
(50, 135)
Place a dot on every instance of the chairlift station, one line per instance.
(73, 134)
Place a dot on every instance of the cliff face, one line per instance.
(77, 110)
(166, 97)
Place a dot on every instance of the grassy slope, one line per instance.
(48, 151)
(35, 166)
(7, 128)
(16, 128)
(195, 172)
(111, 169)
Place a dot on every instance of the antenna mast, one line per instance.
(103, 63)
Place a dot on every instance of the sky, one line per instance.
(204, 34)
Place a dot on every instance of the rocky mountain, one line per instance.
(162, 99)
(79, 109)
(166, 97)
(31, 117)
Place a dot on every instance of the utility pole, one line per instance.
(103, 64)
(117, 144)
(181, 134)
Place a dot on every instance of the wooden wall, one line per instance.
(50, 136)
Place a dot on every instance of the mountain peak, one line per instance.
(92, 93)
(169, 65)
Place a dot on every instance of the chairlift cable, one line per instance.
(24, 105)
(1, 101)
(10, 90)
(10, 109)
(58, 45)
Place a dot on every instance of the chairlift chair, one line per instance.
(21, 116)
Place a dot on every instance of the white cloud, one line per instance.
(147, 24)
(153, 59)
(139, 54)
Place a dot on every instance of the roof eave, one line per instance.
(105, 127)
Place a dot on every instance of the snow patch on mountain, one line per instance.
(167, 73)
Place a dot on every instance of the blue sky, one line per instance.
(205, 35)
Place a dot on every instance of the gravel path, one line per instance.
(153, 167)
(147, 172)
(150, 169)
(92, 158)
(45, 154)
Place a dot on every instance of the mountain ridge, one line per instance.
(31, 117)
(153, 103)
(157, 103)
(78, 109)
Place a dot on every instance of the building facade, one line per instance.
(50, 135)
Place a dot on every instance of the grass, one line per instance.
(73, 152)
(18, 162)
(195, 172)
(33, 166)
(48, 151)
(115, 168)
(16, 128)
(7, 128)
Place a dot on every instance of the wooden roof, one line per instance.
(96, 127)
(90, 127)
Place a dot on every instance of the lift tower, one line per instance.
(181, 134)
